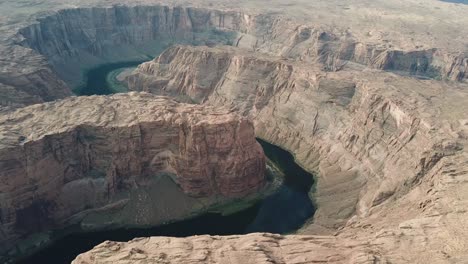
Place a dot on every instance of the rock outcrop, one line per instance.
(381, 144)
(140, 30)
(76, 39)
(107, 162)
(389, 151)
(21, 84)
(247, 249)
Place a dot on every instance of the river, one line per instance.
(284, 211)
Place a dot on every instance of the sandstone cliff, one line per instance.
(21, 84)
(247, 249)
(384, 147)
(124, 32)
(390, 151)
(105, 162)
(74, 40)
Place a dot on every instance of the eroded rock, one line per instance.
(105, 162)
(79, 38)
(384, 147)
(390, 151)
(248, 249)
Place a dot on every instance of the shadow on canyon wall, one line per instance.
(284, 211)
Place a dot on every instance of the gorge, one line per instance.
(369, 96)
(267, 215)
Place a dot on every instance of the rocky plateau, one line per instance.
(371, 96)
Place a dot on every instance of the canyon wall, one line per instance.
(132, 160)
(89, 36)
(75, 40)
(368, 137)
(27, 78)
(390, 151)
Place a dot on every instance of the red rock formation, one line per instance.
(389, 152)
(80, 38)
(62, 162)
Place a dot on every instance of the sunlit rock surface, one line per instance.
(107, 162)
(384, 147)
(388, 149)
(77, 35)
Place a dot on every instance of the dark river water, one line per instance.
(284, 211)
(97, 82)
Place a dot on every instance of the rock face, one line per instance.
(133, 31)
(105, 162)
(248, 249)
(121, 32)
(388, 150)
(22, 85)
(76, 39)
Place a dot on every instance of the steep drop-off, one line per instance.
(387, 149)
(92, 34)
(130, 160)
(390, 151)
(282, 207)
(26, 78)
(75, 40)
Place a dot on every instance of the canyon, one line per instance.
(354, 127)
(370, 96)
(75, 39)
(71, 172)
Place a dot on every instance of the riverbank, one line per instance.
(277, 208)
(106, 78)
(282, 206)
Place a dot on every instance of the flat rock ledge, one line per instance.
(258, 248)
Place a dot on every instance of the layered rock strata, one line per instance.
(389, 151)
(21, 84)
(247, 249)
(74, 40)
(106, 162)
(99, 33)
